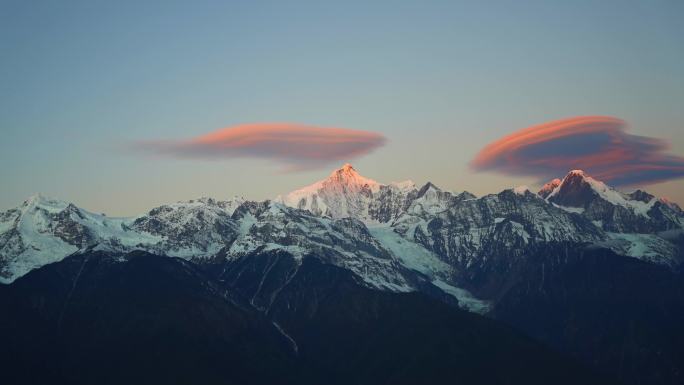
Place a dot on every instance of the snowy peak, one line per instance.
(347, 178)
(44, 230)
(580, 190)
(44, 202)
(641, 196)
(40, 231)
(427, 188)
(346, 170)
(579, 173)
(548, 188)
(612, 210)
(343, 181)
(346, 193)
(522, 190)
(577, 189)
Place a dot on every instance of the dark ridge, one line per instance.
(141, 319)
(425, 188)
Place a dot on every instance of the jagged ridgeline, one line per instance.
(382, 232)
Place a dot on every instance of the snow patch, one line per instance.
(521, 190)
(465, 299)
(417, 258)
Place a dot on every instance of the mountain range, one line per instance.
(579, 276)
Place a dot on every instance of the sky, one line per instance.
(107, 104)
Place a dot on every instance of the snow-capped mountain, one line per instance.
(461, 229)
(546, 263)
(193, 229)
(394, 237)
(345, 193)
(612, 210)
(44, 230)
(549, 187)
(466, 232)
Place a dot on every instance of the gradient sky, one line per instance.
(81, 80)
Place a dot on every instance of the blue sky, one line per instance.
(440, 80)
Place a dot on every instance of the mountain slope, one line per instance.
(95, 319)
(204, 230)
(612, 210)
(345, 193)
(44, 230)
(140, 318)
(620, 314)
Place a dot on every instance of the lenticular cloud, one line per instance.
(596, 144)
(294, 146)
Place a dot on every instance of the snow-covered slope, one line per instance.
(548, 188)
(192, 229)
(344, 242)
(345, 193)
(44, 230)
(610, 209)
(469, 233)
(578, 189)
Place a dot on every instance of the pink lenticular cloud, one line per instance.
(597, 144)
(295, 146)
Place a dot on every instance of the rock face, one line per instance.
(190, 229)
(494, 233)
(549, 187)
(638, 212)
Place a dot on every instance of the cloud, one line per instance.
(295, 146)
(596, 144)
